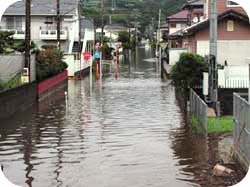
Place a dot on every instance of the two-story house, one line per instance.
(43, 25)
(233, 34)
(192, 13)
(233, 41)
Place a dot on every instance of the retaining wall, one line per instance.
(17, 99)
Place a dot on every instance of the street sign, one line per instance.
(86, 55)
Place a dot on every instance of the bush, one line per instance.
(6, 41)
(124, 38)
(49, 63)
(188, 71)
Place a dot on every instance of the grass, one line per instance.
(220, 124)
(214, 124)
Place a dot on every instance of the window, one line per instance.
(14, 23)
(232, 4)
(230, 25)
(172, 25)
(10, 22)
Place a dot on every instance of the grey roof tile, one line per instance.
(43, 7)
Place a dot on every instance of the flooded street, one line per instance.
(125, 132)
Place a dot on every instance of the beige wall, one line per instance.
(235, 52)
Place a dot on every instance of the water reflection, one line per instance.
(125, 132)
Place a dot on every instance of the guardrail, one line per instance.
(241, 131)
(198, 108)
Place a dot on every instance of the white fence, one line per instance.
(233, 77)
(198, 108)
(242, 129)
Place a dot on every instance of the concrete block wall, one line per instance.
(17, 99)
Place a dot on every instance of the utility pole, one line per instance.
(58, 23)
(79, 39)
(102, 6)
(158, 40)
(27, 36)
(102, 23)
(213, 55)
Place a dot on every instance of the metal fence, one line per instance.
(242, 128)
(198, 108)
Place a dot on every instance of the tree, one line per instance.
(124, 38)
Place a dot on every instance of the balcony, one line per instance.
(18, 33)
(51, 34)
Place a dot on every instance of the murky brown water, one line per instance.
(127, 132)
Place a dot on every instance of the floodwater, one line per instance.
(127, 131)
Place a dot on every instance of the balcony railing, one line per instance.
(19, 34)
(51, 33)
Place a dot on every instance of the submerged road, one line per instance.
(125, 132)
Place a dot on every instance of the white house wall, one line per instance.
(174, 54)
(234, 52)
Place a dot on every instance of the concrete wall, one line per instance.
(235, 52)
(174, 55)
(10, 65)
(17, 99)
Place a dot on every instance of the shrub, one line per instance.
(124, 38)
(49, 62)
(6, 41)
(188, 71)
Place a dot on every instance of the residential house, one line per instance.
(233, 37)
(192, 13)
(44, 22)
(112, 31)
(233, 41)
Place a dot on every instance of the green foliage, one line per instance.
(220, 124)
(19, 45)
(188, 71)
(6, 41)
(106, 52)
(49, 62)
(128, 11)
(124, 38)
